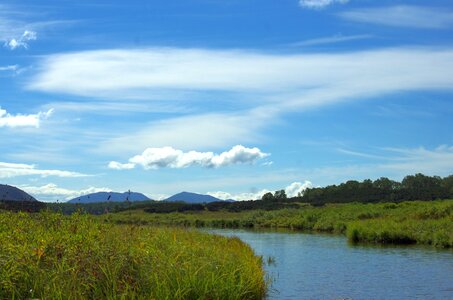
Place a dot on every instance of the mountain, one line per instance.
(12, 193)
(193, 198)
(109, 196)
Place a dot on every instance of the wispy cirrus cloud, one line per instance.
(12, 68)
(9, 170)
(396, 162)
(403, 16)
(332, 40)
(22, 41)
(189, 131)
(21, 120)
(265, 86)
(437, 161)
(18, 27)
(319, 4)
(15, 32)
(123, 74)
(168, 157)
(52, 192)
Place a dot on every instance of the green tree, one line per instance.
(280, 195)
(268, 197)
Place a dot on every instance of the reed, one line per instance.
(421, 222)
(50, 256)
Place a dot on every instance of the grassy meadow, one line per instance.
(412, 222)
(51, 256)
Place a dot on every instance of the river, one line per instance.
(314, 266)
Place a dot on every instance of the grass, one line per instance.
(50, 256)
(414, 222)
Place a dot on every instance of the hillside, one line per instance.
(11, 193)
(110, 197)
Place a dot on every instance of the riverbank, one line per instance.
(414, 222)
(50, 256)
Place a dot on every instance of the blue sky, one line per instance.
(231, 98)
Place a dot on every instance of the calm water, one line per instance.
(311, 266)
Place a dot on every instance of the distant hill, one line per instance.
(11, 193)
(193, 198)
(109, 196)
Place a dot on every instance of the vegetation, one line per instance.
(421, 222)
(166, 207)
(51, 256)
(97, 208)
(28, 206)
(413, 187)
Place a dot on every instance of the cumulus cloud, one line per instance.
(318, 4)
(22, 41)
(20, 120)
(119, 166)
(51, 192)
(291, 190)
(296, 188)
(403, 16)
(168, 157)
(8, 170)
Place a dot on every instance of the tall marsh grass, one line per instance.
(422, 222)
(50, 256)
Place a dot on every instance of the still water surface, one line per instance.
(312, 266)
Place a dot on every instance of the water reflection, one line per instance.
(313, 266)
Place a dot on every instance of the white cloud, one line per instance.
(20, 120)
(8, 170)
(12, 68)
(394, 163)
(119, 166)
(296, 188)
(318, 4)
(256, 78)
(332, 40)
(240, 196)
(21, 41)
(51, 192)
(291, 190)
(113, 107)
(264, 86)
(168, 157)
(438, 161)
(19, 27)
(159, 197)
(190, 131)
(403, 16)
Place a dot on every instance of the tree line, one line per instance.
(412, 187)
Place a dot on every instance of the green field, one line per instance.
(51, 256)
(414, 222)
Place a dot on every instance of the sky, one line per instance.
(227, 98)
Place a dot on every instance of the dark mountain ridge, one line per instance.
(12, 193)
(110, 197)
(192, 198)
